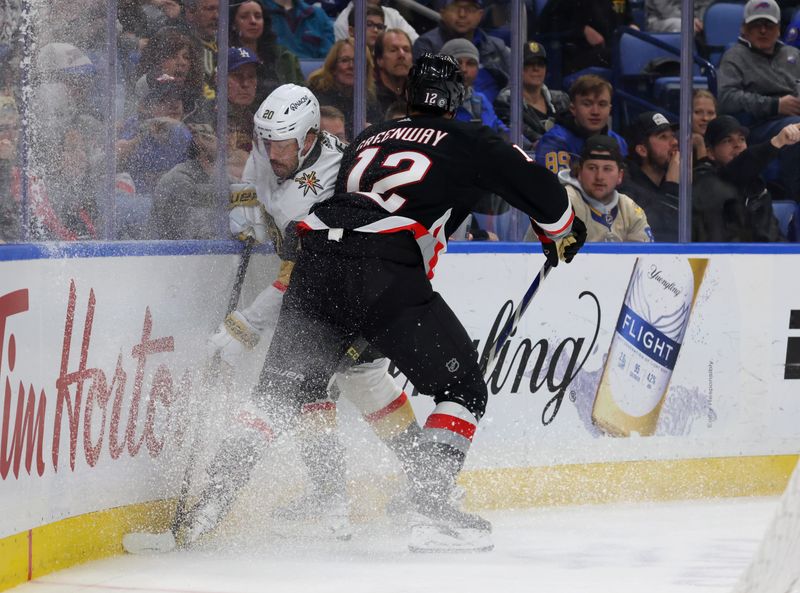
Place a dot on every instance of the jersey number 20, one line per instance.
(382, 191)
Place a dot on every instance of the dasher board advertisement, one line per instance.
(626, 357)
(619, 357)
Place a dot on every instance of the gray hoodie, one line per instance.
(752, 82)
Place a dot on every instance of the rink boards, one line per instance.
(102, 349)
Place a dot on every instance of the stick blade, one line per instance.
(148, 543)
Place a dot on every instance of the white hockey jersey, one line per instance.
(288, 200)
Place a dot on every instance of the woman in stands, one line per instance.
(251, 28)
(704, 109)
(333, 83)
(173, 53)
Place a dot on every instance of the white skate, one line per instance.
(454, 531)
(314, 516)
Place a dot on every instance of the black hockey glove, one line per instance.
(565, 248)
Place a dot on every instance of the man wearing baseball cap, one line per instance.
(610, 216)
(540, 105)
(653, 172)
(730, 201)
(758, 84)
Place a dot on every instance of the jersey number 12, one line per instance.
(382, 191)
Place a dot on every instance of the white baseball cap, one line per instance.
(762, 9)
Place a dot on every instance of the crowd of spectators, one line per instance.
(166, 114)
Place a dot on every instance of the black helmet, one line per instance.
(435, 84)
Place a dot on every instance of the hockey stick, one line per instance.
(143, 542)
(490, 355)
(233, 301)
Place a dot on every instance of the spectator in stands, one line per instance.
(460, 20)
(332, 121)
(589, 113)
(10, 215)
(476, 107)
(610, 216)
(162, 13)
(304, 29)
(65, 64)
(242, 105)
(333, 83)
(176, 54)
(252, 29)
(758, 83)
(65, 100)
(586, 28)
(185, 198)
(154, 140)
(202, 19)
(375, 26)
(540, 105)
(393, 61)
(653, 172)
(704, 109)
(391, 18)
(664, 16)
(62, 196)
(730, 202)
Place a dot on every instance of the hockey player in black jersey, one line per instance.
(367, 257)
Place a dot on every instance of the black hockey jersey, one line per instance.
(424, 174)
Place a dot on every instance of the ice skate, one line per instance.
(441, 527)
(400, 505)
(203, 518)
(314, 515)
(437, 524)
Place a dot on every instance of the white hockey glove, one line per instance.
(247, 217)
(232, 338)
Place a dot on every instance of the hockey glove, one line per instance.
(565, 248)
(232, 338)
(247, 217)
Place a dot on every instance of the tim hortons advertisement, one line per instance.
(98, 358)
(618, 357)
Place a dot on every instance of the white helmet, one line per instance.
(289, 112)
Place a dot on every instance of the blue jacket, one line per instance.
(495, 57)
(477, 108)
(306, 30)
(564, 141)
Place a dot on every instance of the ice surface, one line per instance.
(676, 547)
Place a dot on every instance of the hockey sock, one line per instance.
(321, 450)
(396, 425)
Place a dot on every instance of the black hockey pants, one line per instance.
(370, 285)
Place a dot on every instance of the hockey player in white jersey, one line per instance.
(292, 166)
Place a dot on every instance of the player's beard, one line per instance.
(283, 170)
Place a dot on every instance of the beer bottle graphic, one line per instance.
(646, 343)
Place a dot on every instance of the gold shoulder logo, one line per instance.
(308, 182)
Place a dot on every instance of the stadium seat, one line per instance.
(307, 66)
(597, 71)
(539, 5)
(635, 54)
(721, 23)
(786, 212)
